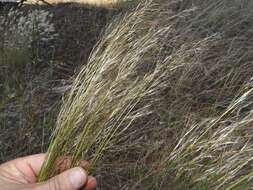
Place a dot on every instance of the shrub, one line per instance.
(22, 29)
(26, 38)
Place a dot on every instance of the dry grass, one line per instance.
(29, 91)
(166, 100)
(100, 3)
(105, 96)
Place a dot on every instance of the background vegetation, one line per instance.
(191, 127)
(33, 77)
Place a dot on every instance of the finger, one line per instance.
(91, 184)
(35, 162)
(27, 167)
(72, 179)
(84, 164)
(64, 163)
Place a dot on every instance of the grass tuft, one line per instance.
(106, 97)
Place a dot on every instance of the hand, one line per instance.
(21, 174)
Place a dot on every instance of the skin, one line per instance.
(21, 174)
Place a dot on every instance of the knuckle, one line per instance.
(55, 184)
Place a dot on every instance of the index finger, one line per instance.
(35, 162)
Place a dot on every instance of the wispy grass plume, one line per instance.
(106, 97)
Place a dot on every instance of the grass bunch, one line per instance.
(106, 96)
(214, 153)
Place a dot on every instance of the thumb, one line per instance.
(72, 179)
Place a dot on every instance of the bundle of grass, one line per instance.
(216, 153)
(107, 95)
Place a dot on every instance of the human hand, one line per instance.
(21, 174)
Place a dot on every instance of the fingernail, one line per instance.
(77, 177)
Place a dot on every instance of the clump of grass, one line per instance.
(106, 97)
(214, 153)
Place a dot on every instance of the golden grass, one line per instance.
(106, 3)
(106, 96)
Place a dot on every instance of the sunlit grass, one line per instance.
(107, 95)
(103, 3)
